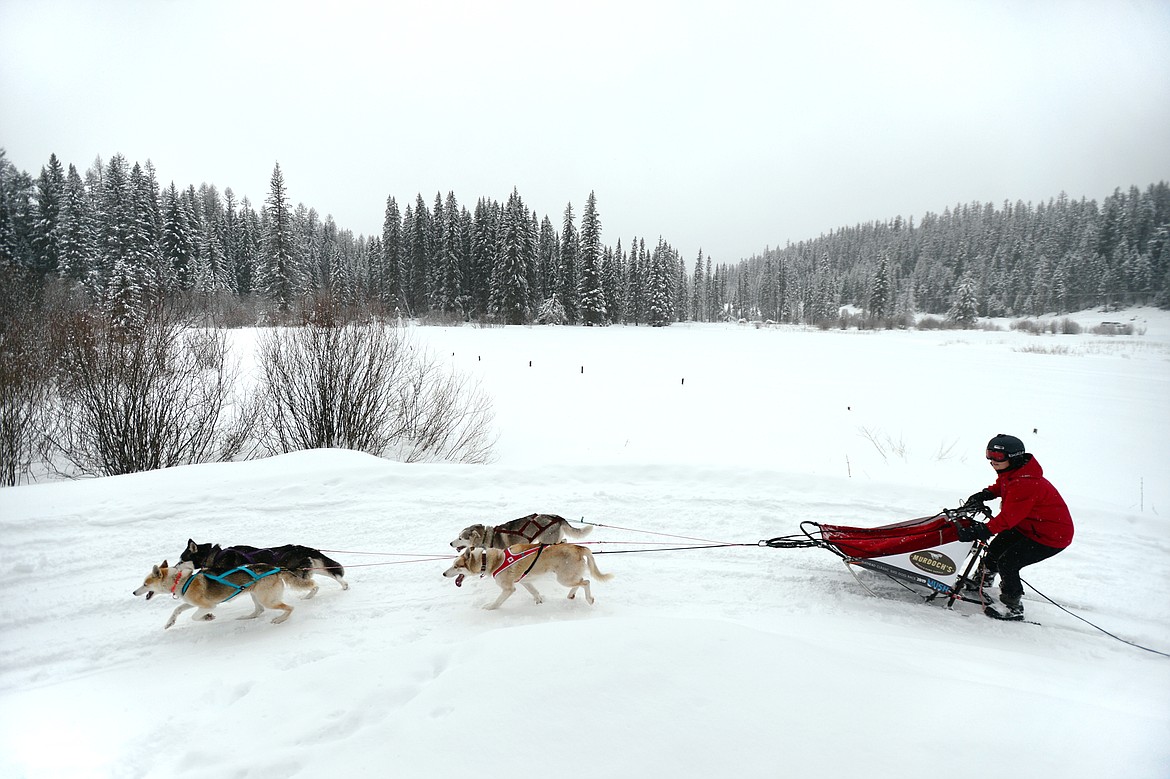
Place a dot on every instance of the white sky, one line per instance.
(726, 126)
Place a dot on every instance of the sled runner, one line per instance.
(925, 555)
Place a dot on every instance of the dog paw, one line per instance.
(207, 617)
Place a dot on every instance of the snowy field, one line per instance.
(742, 661)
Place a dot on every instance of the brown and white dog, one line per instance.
(532, 529)
(198, 590)
(514, 564)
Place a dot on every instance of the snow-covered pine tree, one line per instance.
(590, 294)
(448, 273)
(386, 272)
(417, 261)
(659, 285)
(881, 291)
(965, 307)
(547, 260)
(248, 250)
(484, 243)
(613, 280)
(77, 227)
(509, 292)
(278, 277)
(177, 246)
(567, 291)
(698, 291)
(50, 196)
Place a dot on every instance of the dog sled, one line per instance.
(924, 555)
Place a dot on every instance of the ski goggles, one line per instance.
(995, 456)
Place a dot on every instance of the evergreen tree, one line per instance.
(484, 242)
(387, 274)
(611, 282)
(278, 279)
(509, 292)
(46, 237)
(78, 240)
(880, 291)
(698, 291)
(659, 277)
(418, 260)
(448, 277)
(590, 295)
(248, 249)
(568, 267)
(964, 308)
(178, 242)
(547, 260)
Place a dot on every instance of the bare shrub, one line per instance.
(1042, 349)
(25, 379)
(931, 323)
(1070, 327)
(142, 399)
(884, 443)
(364, 386)
(1113, 328)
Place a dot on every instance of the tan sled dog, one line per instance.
(512, 565)
(198, 590)
(532, 529)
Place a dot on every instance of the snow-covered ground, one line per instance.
(742, 661)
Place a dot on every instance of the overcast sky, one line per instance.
(724, 126)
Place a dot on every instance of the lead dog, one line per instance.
(301, 561)
(197, 590)
(512, 565)
(532, 529)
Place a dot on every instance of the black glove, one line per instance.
(979, 498)
(973, 531)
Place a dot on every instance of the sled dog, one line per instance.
(532, 529)
(301, 561)
(198, 590)
(514, 564)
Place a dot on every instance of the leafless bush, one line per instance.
(364, 386)
(25, 381)
(1113, 328)
(142, 399)
(884, 443)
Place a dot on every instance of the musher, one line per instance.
(1033, 522)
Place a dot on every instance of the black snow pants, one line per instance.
(1007, 553)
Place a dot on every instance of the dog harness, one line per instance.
(530, 530)
(511, 559)
(222, 579)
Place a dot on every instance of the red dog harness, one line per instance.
(511, 559)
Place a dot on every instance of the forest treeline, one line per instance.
(113, 237)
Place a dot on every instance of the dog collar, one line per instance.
(175, 586)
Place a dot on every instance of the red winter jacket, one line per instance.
(1031, 505)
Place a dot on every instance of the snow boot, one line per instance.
(1013, 608)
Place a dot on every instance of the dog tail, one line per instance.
(577, 532)
(593, 568)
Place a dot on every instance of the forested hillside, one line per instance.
(123, 241)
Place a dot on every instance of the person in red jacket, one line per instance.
(1033, 522)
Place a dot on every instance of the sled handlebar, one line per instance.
(967, 512)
